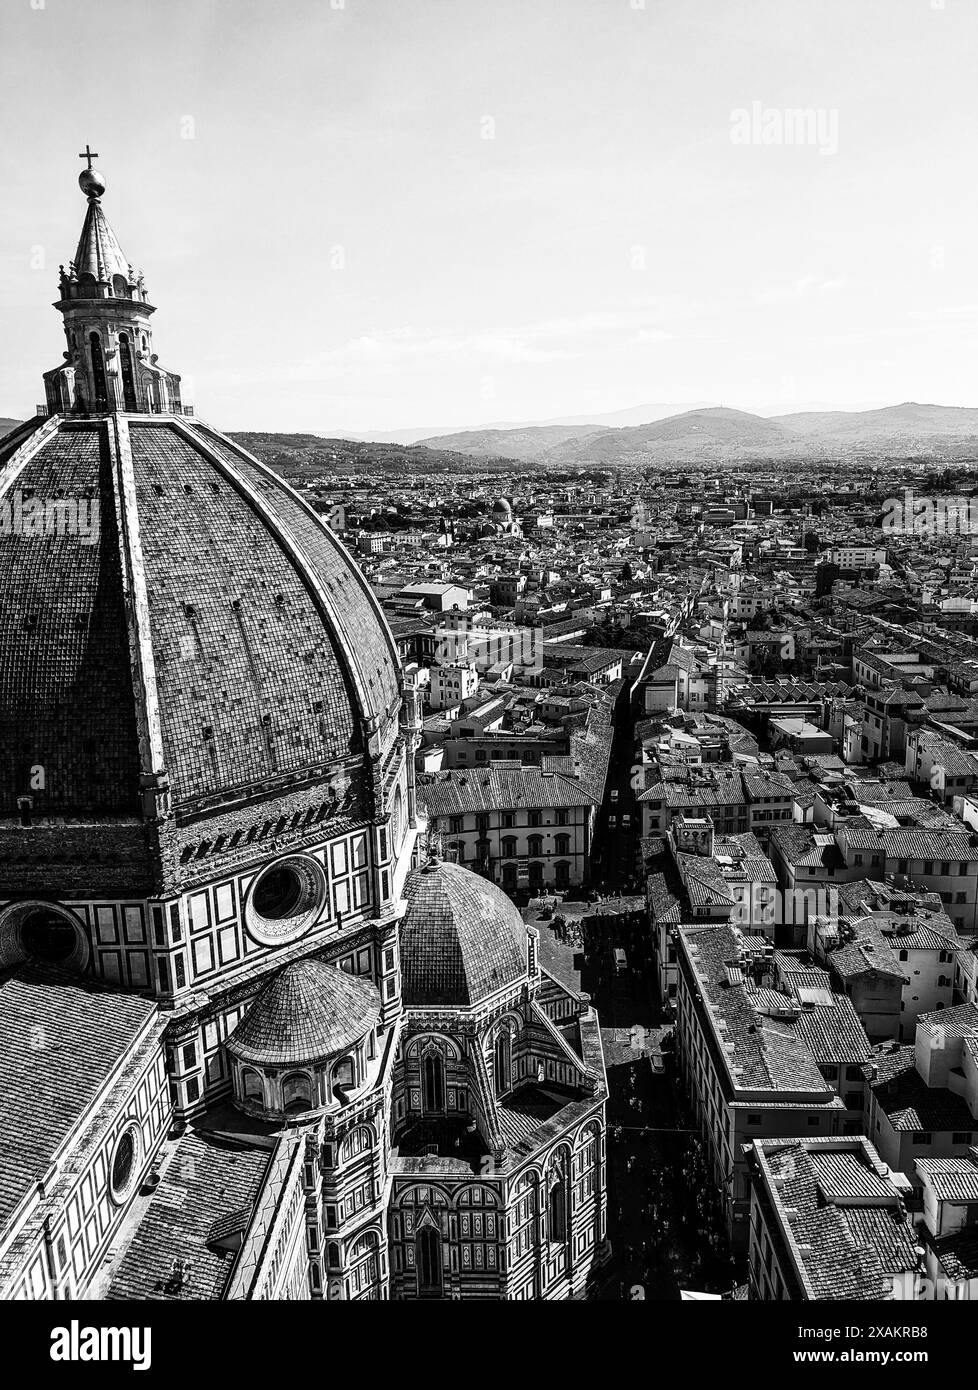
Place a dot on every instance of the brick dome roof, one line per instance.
(462, 938)
(210, 626)
(310, 1012)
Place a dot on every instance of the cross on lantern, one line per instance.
(88, 154)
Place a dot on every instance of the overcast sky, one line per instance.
(396, 213)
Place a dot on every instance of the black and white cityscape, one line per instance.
(489, 654)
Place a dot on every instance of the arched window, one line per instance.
(509, 846)
(358, 1141)
(364, 1267)
(503, 1060)
(128, 379)
(98, 372)
(534, 845)
(433, 1082)
(557, 1210)
(561, 844)
(509, 877)
(429, 1264)
(457, 850)
(536, 873)
(119, 287)
(397, 820)
(253, 1086)
(343, 1073)
(296, 1093)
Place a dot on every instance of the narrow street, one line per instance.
(662, 1228)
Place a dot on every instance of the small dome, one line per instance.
(462, 938)
(502, 508)
(307, 1013)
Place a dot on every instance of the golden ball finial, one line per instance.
(91, 183)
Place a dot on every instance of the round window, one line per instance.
(42, 932)
(278, 893)
(47, 936)
(285, 900)
(125, 1164)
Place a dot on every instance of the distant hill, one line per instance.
(716, 431)
(910, 425)
(303, 456)
(522, 443)
(631, 415)
(718, 434)
(7, 425)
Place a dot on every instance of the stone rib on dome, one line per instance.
(308, 1013)
(462, 938)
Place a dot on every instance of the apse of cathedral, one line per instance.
(255, 1043)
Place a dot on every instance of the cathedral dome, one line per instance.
(308, 1013)
(462, 938)
(176, 618)
(221, 636)
(502, 510)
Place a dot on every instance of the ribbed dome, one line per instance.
(308, 1013)
(462, 939)
(263, 654)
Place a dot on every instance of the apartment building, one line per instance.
(524, 827)
(922, 1100)
(747, 1067)
(829, 1221)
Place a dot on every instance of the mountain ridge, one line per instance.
(724, 433)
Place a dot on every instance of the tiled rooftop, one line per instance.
(763, 1054)
(66, 695)
(845, 1251)
(207, 1196)
(308, 1012)
(61, 1038)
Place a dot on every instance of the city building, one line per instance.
(828, 1222)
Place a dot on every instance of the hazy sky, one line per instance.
(335, 243)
